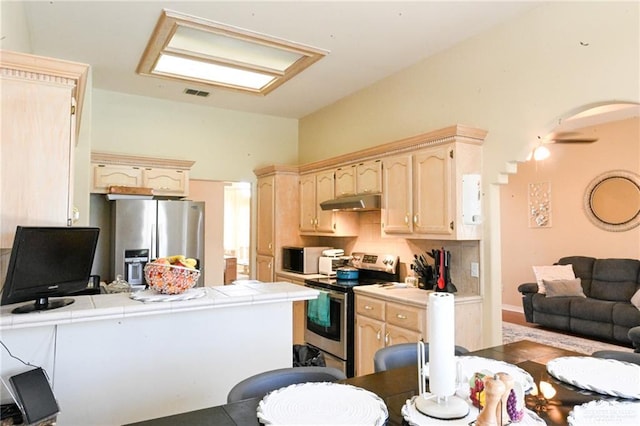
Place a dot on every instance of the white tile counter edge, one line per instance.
(120, 305)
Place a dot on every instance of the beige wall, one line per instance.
(514, 81)
(568, 171)
(13, 21)
(226, 145)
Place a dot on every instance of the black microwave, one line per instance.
(301, 260)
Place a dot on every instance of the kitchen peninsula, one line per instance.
(114, 360)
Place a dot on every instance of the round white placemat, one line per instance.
(415, 418)
(598, 413)
(604, 376)
(475, 364)
(322, 404)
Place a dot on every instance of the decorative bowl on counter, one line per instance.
(170, 279)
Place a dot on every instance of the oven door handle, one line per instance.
(332, 293)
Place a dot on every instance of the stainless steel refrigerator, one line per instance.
(143, 230)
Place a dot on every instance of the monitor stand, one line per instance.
(42, 304)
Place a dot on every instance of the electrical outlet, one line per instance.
(475, 269)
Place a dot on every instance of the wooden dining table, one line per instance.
(398, 385)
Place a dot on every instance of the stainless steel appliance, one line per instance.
(301, 260)
(143, 230)
(337, 340)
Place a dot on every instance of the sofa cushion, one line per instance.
(552, 272)
(625, 314)
(592, 309)
(564, 288)
(551, 305)
(614, 279)
(582, 267)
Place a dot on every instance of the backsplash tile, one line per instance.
(371, 240)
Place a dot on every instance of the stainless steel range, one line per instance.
(334, 335)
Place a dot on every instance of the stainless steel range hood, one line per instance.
(355, 202)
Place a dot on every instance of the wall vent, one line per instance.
(195, 92)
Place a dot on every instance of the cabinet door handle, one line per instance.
(386, 339)
(415, 219)
(406, 219)
(270, 246)
(400, 316)
(378, 335)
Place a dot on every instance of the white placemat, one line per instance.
(150, 295)
(624, 413)
(604, 376)
(415, 418)
(475, 364)
(322, 404)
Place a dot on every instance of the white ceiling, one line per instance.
(367, 42)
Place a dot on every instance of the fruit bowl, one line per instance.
(170, 279)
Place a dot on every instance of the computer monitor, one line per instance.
(48, 262)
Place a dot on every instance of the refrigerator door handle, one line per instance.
(154, 243)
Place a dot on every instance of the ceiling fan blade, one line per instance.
(574, 140)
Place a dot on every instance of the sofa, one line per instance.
(604, 311)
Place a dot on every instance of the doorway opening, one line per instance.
(237, 230)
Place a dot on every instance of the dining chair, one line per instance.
(402, 355)
(262, 383)
(631, 357)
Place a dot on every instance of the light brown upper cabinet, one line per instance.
(41, 104)
(360, 178)
(314, 189)
(369, 177)
(424, 192)
(277, 209)
(345, 181)
(167, 177)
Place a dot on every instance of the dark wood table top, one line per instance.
(397, 385)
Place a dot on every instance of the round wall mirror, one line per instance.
(612, 200)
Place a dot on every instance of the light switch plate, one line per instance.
(475, 269)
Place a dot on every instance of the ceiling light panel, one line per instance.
(233, 49)
(194, 49)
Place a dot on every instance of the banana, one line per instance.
(176, 258)
(189, 262)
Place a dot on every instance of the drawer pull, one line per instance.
(368, 308)
(400, 316)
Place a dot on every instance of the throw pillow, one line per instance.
(635, 299)
(564, 288)
(552, 272)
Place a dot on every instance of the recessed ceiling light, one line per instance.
(198, 50)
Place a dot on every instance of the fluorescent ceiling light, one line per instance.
(189, 48)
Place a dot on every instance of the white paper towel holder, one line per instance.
(447, 405)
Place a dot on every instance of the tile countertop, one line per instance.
(120, 305)
(407, 295)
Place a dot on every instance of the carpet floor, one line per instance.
(514, 332)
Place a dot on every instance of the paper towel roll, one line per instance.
(442, 360)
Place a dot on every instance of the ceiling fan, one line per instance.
(570, 137)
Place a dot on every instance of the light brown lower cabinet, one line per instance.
(379, 324)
